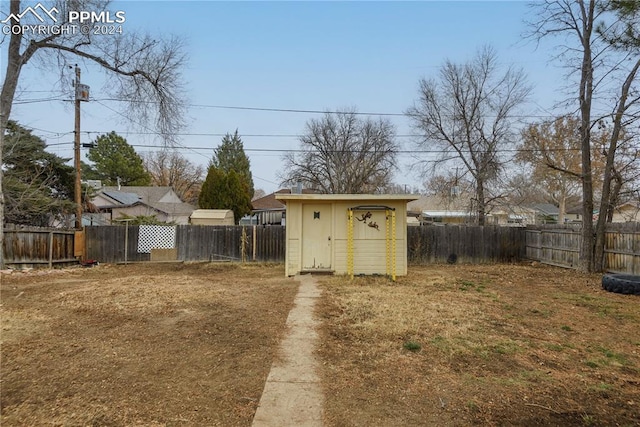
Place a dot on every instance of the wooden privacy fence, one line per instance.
(556, 245)
(428, 244)
(560, 246)
(121, 243)
(464, 244)
(31, 247)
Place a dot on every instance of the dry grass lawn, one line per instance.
(192, 344)
(480, 345)
(140, 345)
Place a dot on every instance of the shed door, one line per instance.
(316, 236)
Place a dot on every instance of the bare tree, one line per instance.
(141, 69)
(522, 190)
(449, 184)
(605, 72)
(552, 149)
(467, 113)
(170, 168)
(343, 153)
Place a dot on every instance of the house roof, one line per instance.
(547, 208)
(149, 196)
(146, 194)
(121, 197)
(174, 208)
(437, 204)
(270, 203)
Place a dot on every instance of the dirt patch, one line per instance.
(143, 344)
(480, 345)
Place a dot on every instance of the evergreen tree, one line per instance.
(230, 156)
(225, 191)
(624, 33)
(213, 194)
(239, 194)
(114, 158)
(38, 186)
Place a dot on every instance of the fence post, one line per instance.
(243, 245)
(51, 249)
(254, 242)
(126, 241)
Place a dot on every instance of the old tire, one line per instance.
(621, 284)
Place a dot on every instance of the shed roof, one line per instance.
(211, 213)
(348, 197)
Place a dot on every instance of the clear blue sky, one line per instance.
(293, 55)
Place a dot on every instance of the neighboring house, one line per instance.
(546, 213)
(268, 210)
(512, 216)
(461, 209)
(446, 210)
(161, 202)
(627, 212)
(573, 215)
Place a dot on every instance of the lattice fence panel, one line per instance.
(156, 237)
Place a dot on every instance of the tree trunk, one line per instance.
(585, 97)
(562, 208)
(609, 195)
(481, 202)
(14, 65)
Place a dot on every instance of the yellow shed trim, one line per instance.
(317, 233)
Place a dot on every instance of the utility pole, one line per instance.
(82, 94)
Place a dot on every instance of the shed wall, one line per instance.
(369, 242)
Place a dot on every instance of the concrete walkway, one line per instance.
(292, 395)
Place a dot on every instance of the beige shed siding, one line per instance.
(369, 257)
(212, 217)
(293, 235)
(293, 256)
(369, 244)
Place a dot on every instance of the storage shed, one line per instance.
(346, 233)
(212, 217)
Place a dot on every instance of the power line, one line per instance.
(37, 100)
(298, 150)
(255, 135)
(282, 110)
(139, 124)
